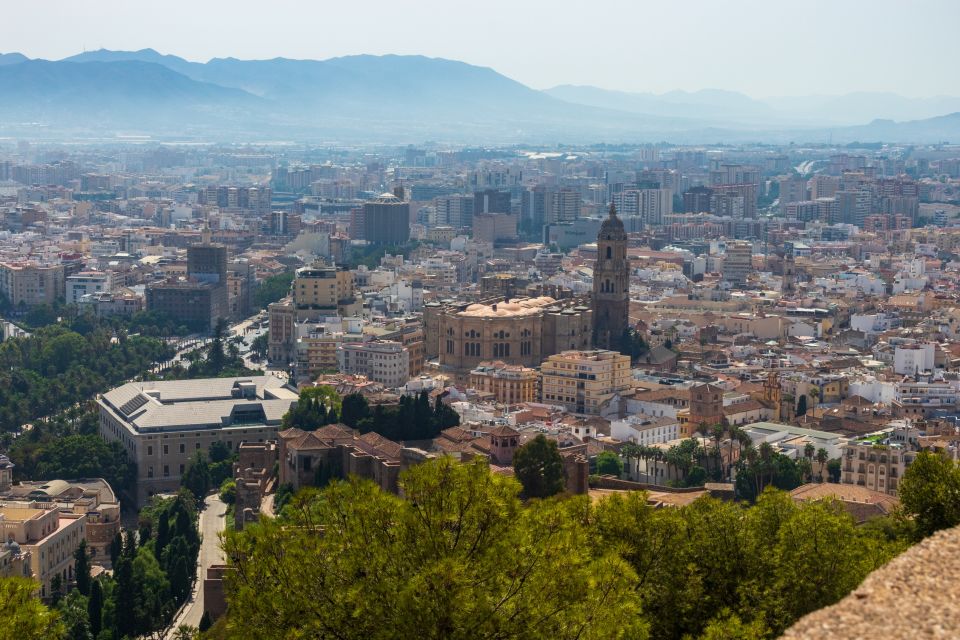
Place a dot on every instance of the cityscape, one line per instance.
(391, 336)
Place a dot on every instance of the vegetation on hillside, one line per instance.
(463, 557)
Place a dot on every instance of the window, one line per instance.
(149, 472)
(609, 253)
(181, 469)
(166, 471)
(183, 448)
(166, 449)
(149, 450)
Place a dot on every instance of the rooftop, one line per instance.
(200, 404)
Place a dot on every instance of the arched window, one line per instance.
(609, 252)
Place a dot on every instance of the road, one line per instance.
(212, 522)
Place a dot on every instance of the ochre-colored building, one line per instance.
(585, 381)
(508, 383)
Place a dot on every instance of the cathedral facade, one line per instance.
(611, 284)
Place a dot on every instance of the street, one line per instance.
(212, 522)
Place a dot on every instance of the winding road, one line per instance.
(212, 521)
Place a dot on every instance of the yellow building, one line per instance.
(585, 381)
(509, 384)
(321, 287)
(48, 537)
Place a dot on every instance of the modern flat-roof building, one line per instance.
(163, 424)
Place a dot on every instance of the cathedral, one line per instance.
(611, 284)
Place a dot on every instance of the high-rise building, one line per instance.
(491, 201)
(207, 263)
(738, 263)
(386, 220)
(454, 211)
(611, 284)
(565, 206)
(697, 200)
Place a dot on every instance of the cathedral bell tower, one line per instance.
(611, 284)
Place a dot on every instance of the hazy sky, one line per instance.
(760, 47)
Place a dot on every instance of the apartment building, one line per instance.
(383, 361)
(30, 283)
(509, 384)
(878, 461)
(585, 381)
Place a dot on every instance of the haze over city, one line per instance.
(483, 321)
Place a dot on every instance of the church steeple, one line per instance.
(611, 283)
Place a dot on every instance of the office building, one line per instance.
(162, 424)
(86, 283)
(386, 221)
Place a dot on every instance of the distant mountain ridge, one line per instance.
(395, 97)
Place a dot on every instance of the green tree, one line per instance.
(539, 468)
(24, 617)
(196, 478)
(82, 568)
(73, 613)
(95, 608)
(228, 491)
(930, 492)
(801, 406)
(460, 558)
(609, 463)
(354, 408)
(272, 289)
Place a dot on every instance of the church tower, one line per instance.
(611, 284)
(789, 274)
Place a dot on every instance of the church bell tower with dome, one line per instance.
(611, 284)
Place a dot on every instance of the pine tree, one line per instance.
(95, 608)
(82, 568)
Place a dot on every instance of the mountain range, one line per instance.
(395, 98)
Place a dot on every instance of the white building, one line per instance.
(645, 430)
(87, 283)
(911, 359)
(385, 362)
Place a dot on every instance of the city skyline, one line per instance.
(761, 57)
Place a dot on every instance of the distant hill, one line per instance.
(121, 93)
(929, 130)
(707, 104)
(393, 98)
(12, 58)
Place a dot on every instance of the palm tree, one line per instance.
(814, 394)
(717, 432)
(808, 451)
(766, 464)
(822, 458)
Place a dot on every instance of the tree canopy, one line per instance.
(930, 492)
(459, 558)
(539, 468)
